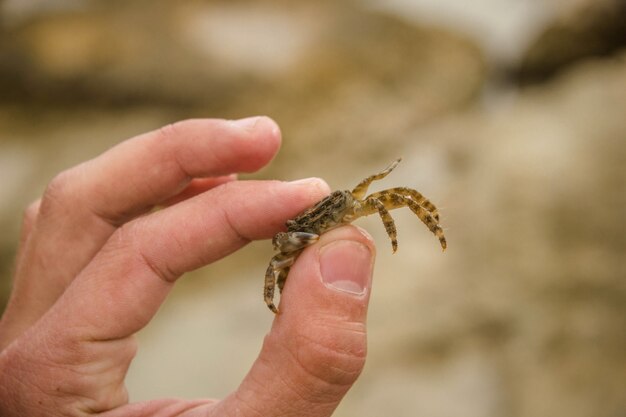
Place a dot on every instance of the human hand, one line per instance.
(95, 263)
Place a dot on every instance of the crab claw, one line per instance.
(293, 241)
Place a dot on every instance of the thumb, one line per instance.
(316, 348)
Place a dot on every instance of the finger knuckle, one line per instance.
(30, 213)
(169, 131)
(193, 127)
(126, 349)
(174, 131)
(332, 353)
(56, 193)
(131, 239)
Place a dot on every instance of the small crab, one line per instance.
(339, 208)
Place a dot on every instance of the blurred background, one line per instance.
(510, 115)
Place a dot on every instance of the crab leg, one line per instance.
(393, 201)
(372, 205)
(277, 272)
(290, 245)
(359, 191)
(429, 220)
(268, 289)
(281, 277)
(407, 192)
(288, 242)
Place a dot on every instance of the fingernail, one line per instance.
(318, 183)
(346, 266)
(247, 123)
(310, 180)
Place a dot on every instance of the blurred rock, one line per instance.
(583, 29)
(209, 53)
(120, 54)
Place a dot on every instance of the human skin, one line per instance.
(95, 262)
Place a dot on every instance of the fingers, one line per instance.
(83, 206)
(120, 291)
(316, 348)
(85, 342)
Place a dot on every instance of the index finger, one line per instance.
(122, 288)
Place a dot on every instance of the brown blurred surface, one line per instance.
(524, 315)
